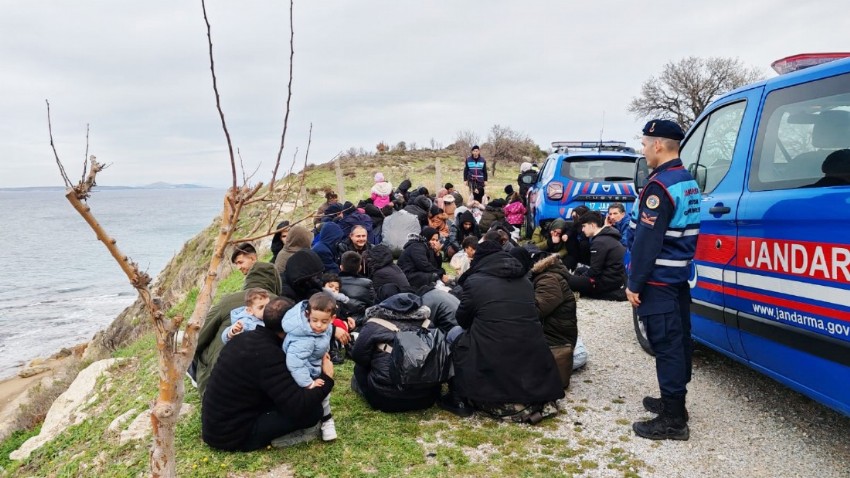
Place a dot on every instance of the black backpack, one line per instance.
(419, 358)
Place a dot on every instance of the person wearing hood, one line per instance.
(298, 238)
(371, 378)
(502, 364)
(419, 207)
(492, 212)
(552, 238)
(351, 217)
(420, 261)
(438, 219)
(302, 277)
(381, 191)
(385, 273)
(262, 275)
(556, 307)
(464, 227)
(278, 239)
(329, 236)
(578, 245)
(402, 194)
(606, 275)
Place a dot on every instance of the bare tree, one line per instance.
(505, 144)
(464, 140)
(684, 88)
(174, 356)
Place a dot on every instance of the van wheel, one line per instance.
(640, 332)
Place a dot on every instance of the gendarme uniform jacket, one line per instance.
(665, 226)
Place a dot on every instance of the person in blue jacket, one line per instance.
(665, 221)
(475, 173)
(329, 237)
(308, 339)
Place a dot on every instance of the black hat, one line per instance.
(474, 147)
(509, 189)
(334, 208)
(404, 302)
(661, 128)
(428, 232)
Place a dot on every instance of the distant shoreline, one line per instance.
(149, 186)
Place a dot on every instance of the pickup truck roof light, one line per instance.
(805, 60)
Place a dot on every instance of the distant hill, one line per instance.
(159, 185)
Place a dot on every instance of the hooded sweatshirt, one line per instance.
(326, 248)
(299, 237)
(262, 275)
(301, 278)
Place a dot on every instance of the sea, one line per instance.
(59, 284)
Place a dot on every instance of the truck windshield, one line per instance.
(595, 169)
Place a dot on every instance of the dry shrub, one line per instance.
(41, 397)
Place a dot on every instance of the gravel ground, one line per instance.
(742, 424)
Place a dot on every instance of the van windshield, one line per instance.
(595, 169)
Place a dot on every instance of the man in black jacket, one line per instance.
(357, 288)
(606, 274)
(252, 399)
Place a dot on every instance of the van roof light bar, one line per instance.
(805, 60)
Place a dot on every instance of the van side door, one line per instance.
(716, 153)
(792, 272)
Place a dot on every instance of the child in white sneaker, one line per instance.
(308, 337)
(249, 317)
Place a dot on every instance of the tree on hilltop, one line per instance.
(684, 88)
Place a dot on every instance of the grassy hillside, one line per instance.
(427, 443)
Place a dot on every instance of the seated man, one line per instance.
(252, 398)
(606, 273)
(617, 218)
(257, 274)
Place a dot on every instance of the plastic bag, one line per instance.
(579, 355)
(420, 358)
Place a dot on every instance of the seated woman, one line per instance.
(551, 238)
(502, 363)
(420, 261)
(371, 377)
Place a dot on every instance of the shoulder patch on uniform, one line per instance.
(653, 202)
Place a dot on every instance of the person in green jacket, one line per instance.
(551, 238)
(261, 274)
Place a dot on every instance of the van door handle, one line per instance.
(720, 210)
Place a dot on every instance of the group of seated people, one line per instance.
(265, 355)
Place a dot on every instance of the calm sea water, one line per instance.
(58, 283)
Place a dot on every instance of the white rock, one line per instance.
(140, 428)
(119, 421)
(65, 411)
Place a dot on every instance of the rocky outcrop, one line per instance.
(67, 409)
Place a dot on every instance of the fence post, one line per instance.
(340, 183)
(438, 179)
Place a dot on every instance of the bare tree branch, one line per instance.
(288, 96)
(86, 157)
(58, 162)
(218, 97)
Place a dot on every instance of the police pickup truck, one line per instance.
(771, 279)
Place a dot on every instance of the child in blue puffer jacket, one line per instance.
(308, 338)
(249, 317)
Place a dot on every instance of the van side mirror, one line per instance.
(641, 174)
(700, 174)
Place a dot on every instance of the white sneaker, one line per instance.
(328, 430)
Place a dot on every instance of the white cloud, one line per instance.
(365, 71)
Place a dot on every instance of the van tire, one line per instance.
(640, 333)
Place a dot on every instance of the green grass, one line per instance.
(429, 443)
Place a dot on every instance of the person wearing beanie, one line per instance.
(420, 259)
(382, 191)
(475, 173)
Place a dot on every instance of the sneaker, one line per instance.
(451, 403)
(656, 406)
(662, 427)
(328, 430)
(296, 437)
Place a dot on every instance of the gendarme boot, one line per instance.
(656, 405)
(669, 425)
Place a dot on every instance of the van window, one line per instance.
(804, 137)
(711, 146)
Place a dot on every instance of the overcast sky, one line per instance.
(365, 71)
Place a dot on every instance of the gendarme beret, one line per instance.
(661, 128)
